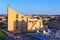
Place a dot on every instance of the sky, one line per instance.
(49, 7)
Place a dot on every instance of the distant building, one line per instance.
(2, 18)
(18, 22)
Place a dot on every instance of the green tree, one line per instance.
(0, 19)
(1, 24)
(2, 35)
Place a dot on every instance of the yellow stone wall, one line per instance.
(11, 19)
(34, 23)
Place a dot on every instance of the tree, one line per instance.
(2, 35)
(1, 24)
(0, 19)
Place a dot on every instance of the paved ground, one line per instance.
(13, 37)
(39, 36)
(24, 37)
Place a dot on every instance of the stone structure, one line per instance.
(18, 22)
(2, 18)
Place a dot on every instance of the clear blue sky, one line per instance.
(31, 6)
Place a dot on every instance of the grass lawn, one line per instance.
(2, 35)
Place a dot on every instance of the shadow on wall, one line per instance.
(20, 26)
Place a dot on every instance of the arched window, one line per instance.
(16, 27)
(16, 21)
(17, 16)
(16, 24)
(0, 19)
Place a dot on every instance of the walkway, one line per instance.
(38, 35)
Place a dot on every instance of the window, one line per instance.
(0, 19)
(16, 24)
(22, 30)
(16, 21)
(16, 27)
(22, 21)
(17, 16)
